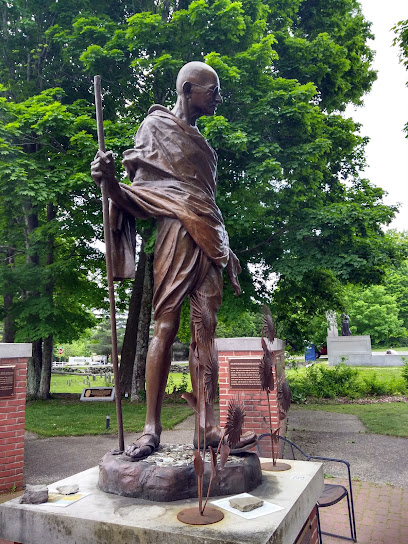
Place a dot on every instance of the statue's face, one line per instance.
(205, 94)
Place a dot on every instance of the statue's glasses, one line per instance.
(215, 90)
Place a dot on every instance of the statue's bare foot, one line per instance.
(214, 434)
(144, 446)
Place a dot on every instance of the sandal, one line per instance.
(136, 452)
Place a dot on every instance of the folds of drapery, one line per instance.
(173, 173)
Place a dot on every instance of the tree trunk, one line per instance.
(35, 362)
(139, 368)
(128, 352)
(34, 370)
(9, 331)
(9, 324)
(45, 382)
(48, 344)
(31, 223)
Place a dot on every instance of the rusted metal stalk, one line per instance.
(270, 427)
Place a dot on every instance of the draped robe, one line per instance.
(173, 173)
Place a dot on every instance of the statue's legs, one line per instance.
(204, 305)
(180, 269)
(157, 371)
(157, 368)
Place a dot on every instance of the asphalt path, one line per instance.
(373, 458)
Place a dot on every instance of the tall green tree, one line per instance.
(289, 188)
(401, 40)
(397, 286)
(289, 184)
(375, 313)
(44, 280)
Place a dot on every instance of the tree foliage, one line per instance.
(289, 186)
(375, 312)
(401, 40)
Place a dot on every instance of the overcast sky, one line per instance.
(385, 109)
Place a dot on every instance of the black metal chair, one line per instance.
(332, 493)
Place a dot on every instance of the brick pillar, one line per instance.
(234, 353)
(309, 533)
(13, 375)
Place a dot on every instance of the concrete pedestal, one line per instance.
(355, 349)
(101, 518)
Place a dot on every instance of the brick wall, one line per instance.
(12, 417)
(254, 400)
(309, 533)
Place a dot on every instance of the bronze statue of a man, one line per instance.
(173, 172)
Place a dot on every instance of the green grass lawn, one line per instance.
(403, 348)
(379, 418)
(383, 373)
(75, 383)
(60, 417)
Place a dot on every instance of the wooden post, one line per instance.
(108, 255)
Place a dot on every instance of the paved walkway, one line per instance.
(379, 468)
(373, 458)
(381, 514)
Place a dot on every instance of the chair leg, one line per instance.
(352, 524)
(353, 517)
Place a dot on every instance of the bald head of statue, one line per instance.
(198, 92)
(195, 72)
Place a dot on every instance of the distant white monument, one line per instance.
(331, 317)
(355, 350)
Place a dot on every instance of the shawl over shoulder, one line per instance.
(173, 173)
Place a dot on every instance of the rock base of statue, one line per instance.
(168, 475)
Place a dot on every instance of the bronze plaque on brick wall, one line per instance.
(244, 373)
(7, 381)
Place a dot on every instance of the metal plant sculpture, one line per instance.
(268, 385)
(284, 399)
(266, 375)
(235, 421)
(232, 434)
(210, 375)
(207, 376)
(268, 325)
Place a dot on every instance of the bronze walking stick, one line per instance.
(108, 256)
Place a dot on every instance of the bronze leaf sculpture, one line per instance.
(266, 375)
(268, 327)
